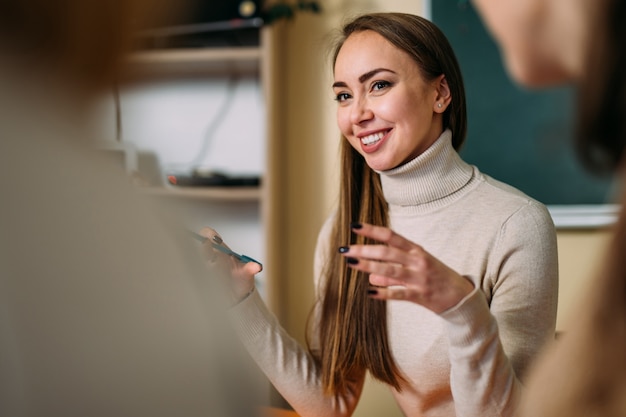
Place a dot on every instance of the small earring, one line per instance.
(439, 105)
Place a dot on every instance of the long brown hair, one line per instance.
(601, 118)
(601, 138)
(353, 328)
(597, 384)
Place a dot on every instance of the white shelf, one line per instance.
(226, 194)
(584, 216)
(203, 60)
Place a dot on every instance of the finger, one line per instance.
(384, 253)
(209, 233)
(253, 268)
(383, 235)
(386, 273)
(394, 293)
(212, 236)
(383, 281)
(219, 261)
(249, 269)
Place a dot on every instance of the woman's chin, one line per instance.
(378, 165)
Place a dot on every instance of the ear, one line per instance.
(442, 97)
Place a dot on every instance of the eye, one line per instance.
(341, 97)
(380, 85)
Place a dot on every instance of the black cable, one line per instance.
(217, 119)
(118, 113)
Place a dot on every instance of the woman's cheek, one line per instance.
(343, 122)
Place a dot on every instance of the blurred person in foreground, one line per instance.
(549, 42)
(104, 308)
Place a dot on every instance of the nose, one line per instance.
(361, 111)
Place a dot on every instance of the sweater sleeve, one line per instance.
(497, 330)
(288, 365)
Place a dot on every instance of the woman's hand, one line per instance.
(241, 275)
(402, 270)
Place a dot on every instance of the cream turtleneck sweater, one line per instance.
(467, 361)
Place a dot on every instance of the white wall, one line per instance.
(217, 123)
(213, 123)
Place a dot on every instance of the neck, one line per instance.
(433, 175)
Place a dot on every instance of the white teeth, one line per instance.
(373, 138)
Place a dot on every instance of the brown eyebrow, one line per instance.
(363, 77)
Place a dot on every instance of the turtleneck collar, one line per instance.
(433, 175)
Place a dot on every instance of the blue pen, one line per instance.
(240, 257)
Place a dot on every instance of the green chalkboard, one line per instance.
(521, 137)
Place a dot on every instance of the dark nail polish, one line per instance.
(372, 291)
(343, 249)
(352, 261)
(355, 225)
(218, 239)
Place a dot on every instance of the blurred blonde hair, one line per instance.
(85, 41)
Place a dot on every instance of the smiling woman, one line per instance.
(428, 268)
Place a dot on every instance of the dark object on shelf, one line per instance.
(285, 10)
(241, 34)
(224, 23)
(227, 23)
(213, 179)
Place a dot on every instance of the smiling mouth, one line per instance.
(372, 139)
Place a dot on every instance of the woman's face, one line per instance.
(542, 41)
(386, 110)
